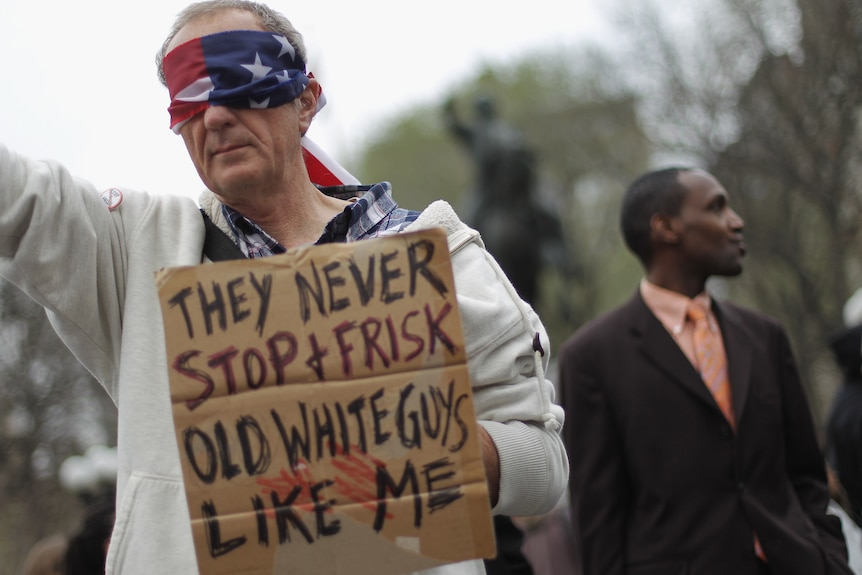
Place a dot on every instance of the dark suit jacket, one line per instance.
(660, 484)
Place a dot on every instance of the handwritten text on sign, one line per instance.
(323, 410)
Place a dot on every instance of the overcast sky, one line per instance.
(79, 84)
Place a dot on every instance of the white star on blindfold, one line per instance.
(257, 69)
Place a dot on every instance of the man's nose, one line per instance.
(736, 221)
(216, 117)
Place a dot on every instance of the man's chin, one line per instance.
(733, 271)
(234, 186)
(727, 268)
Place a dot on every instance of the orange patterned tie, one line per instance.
(711, 361)
(712, 365)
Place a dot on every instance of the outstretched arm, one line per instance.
(454, 124)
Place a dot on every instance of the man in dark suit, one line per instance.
(667, 475)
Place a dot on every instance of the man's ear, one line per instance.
(664, 228)
(308, 104)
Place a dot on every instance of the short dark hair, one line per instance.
(655, 192)
(86, 551)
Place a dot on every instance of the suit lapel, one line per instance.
(659, 348)
(738, 347)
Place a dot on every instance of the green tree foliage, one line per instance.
(580, 121)
(417, 156)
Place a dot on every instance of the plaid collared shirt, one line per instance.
(373, 213)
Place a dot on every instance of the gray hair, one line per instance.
(269, 20)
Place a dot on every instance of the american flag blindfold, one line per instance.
(238, 68)
(245, 69)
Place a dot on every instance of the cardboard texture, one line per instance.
(323, 410)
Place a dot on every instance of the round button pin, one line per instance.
(112, 198)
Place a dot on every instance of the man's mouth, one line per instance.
(227, 149)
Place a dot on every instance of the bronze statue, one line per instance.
(502, 205)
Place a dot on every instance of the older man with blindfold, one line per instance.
(242, 101)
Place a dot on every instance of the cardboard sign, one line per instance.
(323, 410)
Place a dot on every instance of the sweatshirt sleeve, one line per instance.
(61, 245)
(507, 355)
